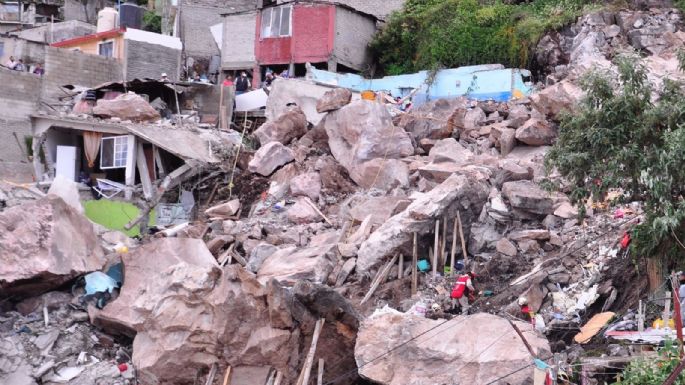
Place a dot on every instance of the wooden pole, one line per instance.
(306, 369)
(319, 379)
(227, 376)
(400, 267)
(443, 243)
(525, 342)
(454, 249)
(380, 278)
(279, 378)
(676, 372)
(414, 262)
(211, 375)
(222, 116)
(436, 247)
(640, 318)
(463, 242)
(667, 309)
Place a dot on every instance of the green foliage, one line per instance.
(152, 22)
(624, 136)
(452, 33)
(653, 371)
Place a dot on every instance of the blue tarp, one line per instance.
(99, 282)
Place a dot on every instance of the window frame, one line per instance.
(106, 42)
(119, 151)
(275, 29)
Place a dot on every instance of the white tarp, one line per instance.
(218, 34)
(252, 100)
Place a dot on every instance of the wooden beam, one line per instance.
(130, 175)
(463, 243)
(141, 161)
(400, 267)
(309, 202)
(279, 378)
(211, 375)
(414, 268)
(319, 378)
(443, 243)
(383, 274)
(306, 369)
(158, 162)
(436, 247)
(227, 376)
(454, 248)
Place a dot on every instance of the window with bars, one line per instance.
(113, 152)
(106, 49)
(276, 22)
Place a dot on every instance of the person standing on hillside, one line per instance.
(464, 289)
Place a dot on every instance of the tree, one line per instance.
(625, 135)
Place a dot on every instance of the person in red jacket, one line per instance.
(464, 289)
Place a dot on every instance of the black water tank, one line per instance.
(131, 15)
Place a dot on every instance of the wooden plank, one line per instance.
(443, 243)
(158, 162)
(306, 369)
(227, 376)
(414, 268)
(141, 161)
(400, 267)
(309, 202)
(319, 378)
(211, 375)
(379, 279)
(436, 248)
(130, 174)
(279, 378)
(463, 243)
(454, 249)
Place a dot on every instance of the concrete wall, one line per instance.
(19, 96)
(145, 60)
(91, 46)
(60, 31)
(74, 9)
(379, 8)
(353, 33)
(30, 52)
(195, 33)
(63, 67)
(238, 50)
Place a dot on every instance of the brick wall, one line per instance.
(68, 67)
(145, 60)
(353, 33)
(196, 36)
(30, 52)
(19, 96)
(238, 45)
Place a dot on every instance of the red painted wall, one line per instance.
(313, 29)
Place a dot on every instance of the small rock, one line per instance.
(536, 132)
(308, 184)
(506, 247)
(270, 157)
(334, 100)
(224, 210)
(302, 212)
(529, 246)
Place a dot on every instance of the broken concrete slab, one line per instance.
(44, 244)
(506, 352)
(528, 196)
(333, 100)
(270, 157)
(291, 124)
(457, 192)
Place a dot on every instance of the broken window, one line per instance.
(276, 22)
(106, 49)
(113, 152)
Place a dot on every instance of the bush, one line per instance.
(430, 34)
(653, 371)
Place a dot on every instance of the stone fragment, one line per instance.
(258, 255)
(308, 184)
(536, 132)
(334, 100)
(529, 246)
(566, 211)
(507, 141)
(518, 114)
(128, 106)
(270, 157)
(224, 210)
(431, 120)
(528, 196)
(449, 150)
(506, 247)
(44, 244)
(291, 124)
(380, 208)
(381, 174)
(557, 98)
(302, 212)
(505, 356)
(290, 264)
(538, 235)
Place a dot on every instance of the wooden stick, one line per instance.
(400, 267)
(227, 376)
(414, 268)
(211, 375)
(463, 242)
(279, 378)
(309, 202)
(454, 248)
(436, 247)
(443, 244)
(306, 370)
(379, 279)
(319, 380)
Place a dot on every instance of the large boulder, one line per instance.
(431, 120)
(362, 131)
(536, 132)
(475, 349)
(291, 124)
(527, 196)
(187, 314)
(555, 99)
(44, 244)
(290, 264)
(382, 174)
(307, 184)
(126, 107)
(456, 193)
(334, 100)
(270, 157)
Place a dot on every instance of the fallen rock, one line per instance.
(302, 212)
(489, 350)
(126, 107)
(506, 247)
(457, 192)
(380, 208)
(187, 314)
(258, 255)
(44, 244)
(431, 120)
(270, 157)
(290, 264)
(224, 210)
(334, 100)
(449, 150)
(381, 174)
(308, 184)
(291, 124)
(68, 191)
(557, 98)
(536, 132)
(362, 131)
(566, 211)
(528, 196)
(518, 114)
(507, 141)
(538, 235)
